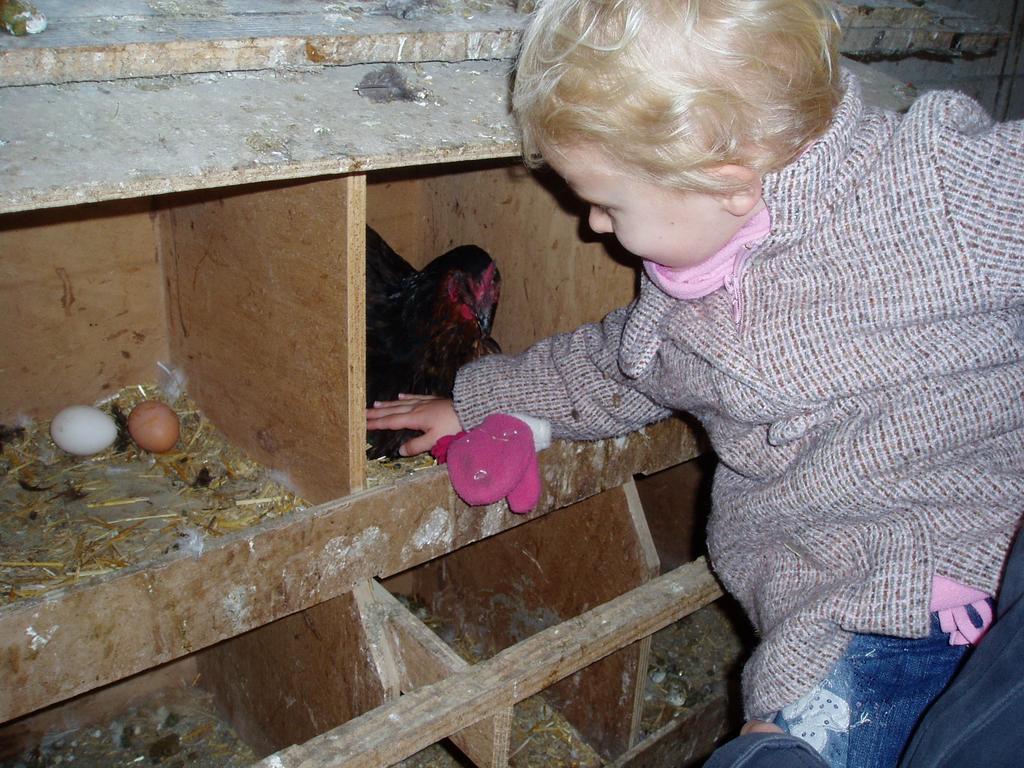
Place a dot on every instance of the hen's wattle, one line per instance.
(422, 326)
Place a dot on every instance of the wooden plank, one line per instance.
(501, 590)
(423, 659)
(84, 311)
(431, 713)
(895, 28)
(650, 564)
(287, 681)
(353, 314)
(133, 38)
(373, 616)
(244, 580)
(267, 323)
(216, 130)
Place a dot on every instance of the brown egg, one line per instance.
(153, 426)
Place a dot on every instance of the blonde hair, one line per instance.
(671, 89)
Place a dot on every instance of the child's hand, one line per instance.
(435, 417)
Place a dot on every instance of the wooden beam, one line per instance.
(399, 729)
(873, 28)
(423, 659)
(134, 39)
(204, 131)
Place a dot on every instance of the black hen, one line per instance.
(421, 327)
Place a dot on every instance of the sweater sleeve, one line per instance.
(981, 169)
(571, 380)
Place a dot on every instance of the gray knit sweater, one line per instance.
(867, 408)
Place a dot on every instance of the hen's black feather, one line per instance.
(422, 326)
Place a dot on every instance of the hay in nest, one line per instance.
(384, 470)
(65, 518)
(171, 727)
(693, 662)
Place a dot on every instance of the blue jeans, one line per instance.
(975, 722)
(978, 719)
(862, 714)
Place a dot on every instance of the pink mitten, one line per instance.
(495, 460)
(526, 494)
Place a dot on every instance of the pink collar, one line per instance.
(708, 276)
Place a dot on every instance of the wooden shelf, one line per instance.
(86, 142)
(132, 38)
(243, 581)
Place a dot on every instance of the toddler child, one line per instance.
(835, 291)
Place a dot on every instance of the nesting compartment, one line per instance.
(254, 293)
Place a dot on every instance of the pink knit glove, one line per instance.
(496, 460)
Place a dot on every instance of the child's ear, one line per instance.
(744, 200)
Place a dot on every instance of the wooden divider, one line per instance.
(499, 591)
(292, 679)
(414, 657)
(425, 715)
(267, 318)
(83, 306)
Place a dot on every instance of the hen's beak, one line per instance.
(485, 320)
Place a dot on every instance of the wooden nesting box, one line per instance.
(189, 186)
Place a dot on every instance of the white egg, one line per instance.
(83, 430)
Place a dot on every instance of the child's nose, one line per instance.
(599, 221)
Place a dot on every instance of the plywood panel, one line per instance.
(295, 678)
(83, 306)
(398, 207)
(94, 141)
(267, 321)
